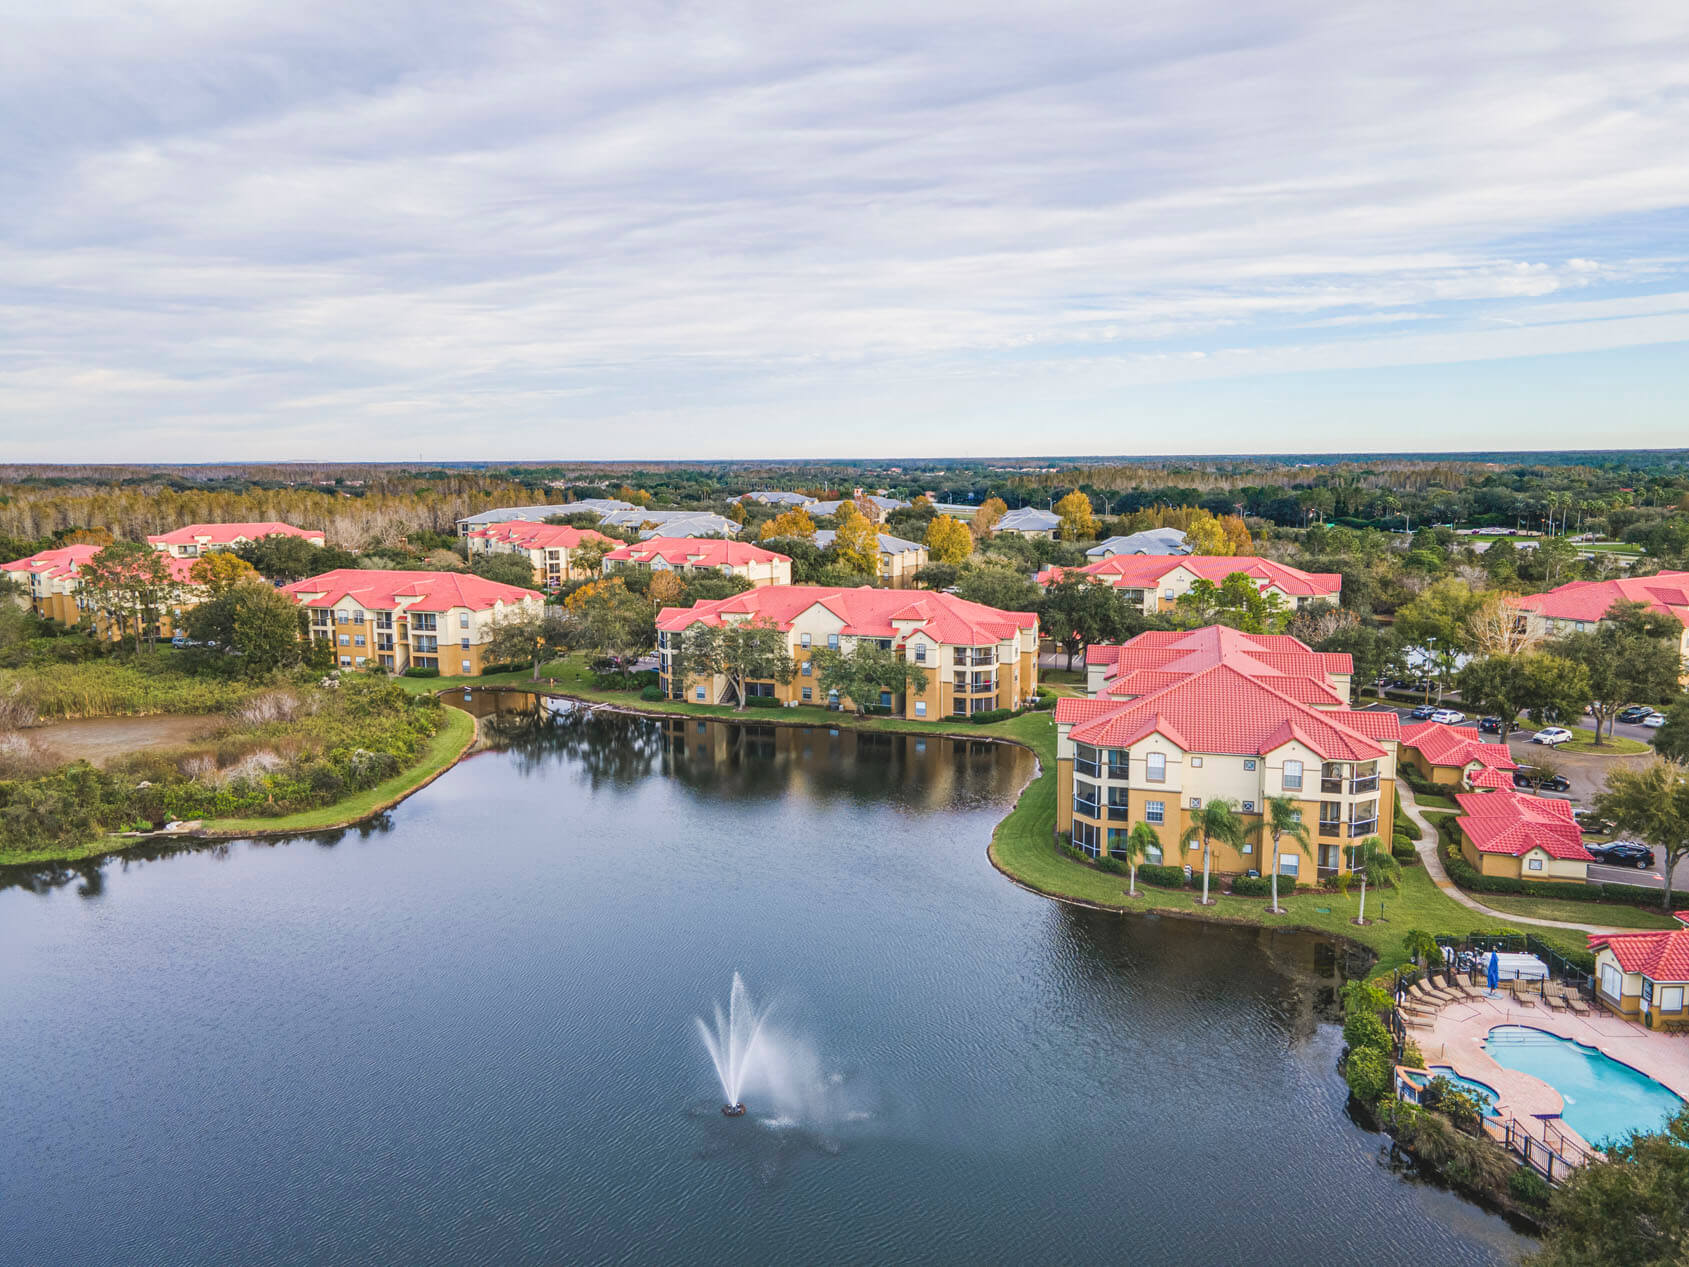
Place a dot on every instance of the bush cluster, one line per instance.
(1261, 886)
(760, 701)
(417, 670)
(651, 694)
(1162, 877)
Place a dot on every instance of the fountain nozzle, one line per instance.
(733, 1110)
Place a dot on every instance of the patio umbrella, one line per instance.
(1492, 973)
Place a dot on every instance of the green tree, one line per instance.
(1078, 520)
(221, 570)
(866, 669)
(1435, 625)
(742, 651)
(1531, 682)
(1652, 802)
(856, 541)
(1005, 588)
(1281, 820)
(949, 541)
(507, 567)
(1630, 657)
(520, 638)
(1422, 947)
(1139, 843)
(1630, 1206)
(1077, 610)
(605, 616)
(1237, 601)
(1372, 861)
(937, 576)
(1672, 739)
(129, 583)
(254, 627)
(1217, 821)
(282, 558)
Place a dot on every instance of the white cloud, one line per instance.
(237, 228)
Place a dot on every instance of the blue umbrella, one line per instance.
(1492, 974)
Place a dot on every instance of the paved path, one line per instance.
(1432, 857)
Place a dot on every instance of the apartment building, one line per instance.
(400, 620)
(1581, 605)
(899, 560)
(1505, 833)
(599, 506)
(1156, 582)
(976, 658)
(1455, 756)
(198, 539)
(1162, 541)
(1029, 521)
(694, 554)
(551, 548)
(51, 585)
(671, 523)
(1179, 719)
(874, 506)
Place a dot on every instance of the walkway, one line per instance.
(1432, 857)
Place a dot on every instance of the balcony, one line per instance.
(974, 657)
(1367, 827)
(1117, 812)
(1331, 828)
(1367, 784)
(1331, 787)
(1086, 808)
(978, 684)
(1091, 769)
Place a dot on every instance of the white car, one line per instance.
(1448, 717)
(1553, 735)
(1653, 721)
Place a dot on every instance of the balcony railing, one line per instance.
(974, 658)
(1119, 770)
(1367, 784)
(976, 685)
(1331, 829)
(1364, 828)
(1117, 813)
(1092, 769)
(1332, 787)
(1087, 808)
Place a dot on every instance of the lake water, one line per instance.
(465, 1034)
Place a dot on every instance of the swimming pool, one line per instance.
(1605, 1098)
(1486, 1094)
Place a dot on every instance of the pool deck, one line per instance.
(1457, 1035)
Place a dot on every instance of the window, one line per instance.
(1582, 627)
(1292, 776)
(345, 661)
(463, 620)
(885, 699)
(1249, 807)
(808, 669)
(467, 667)
(345, 640)
(920, 708)
(832, 642)
(1155, 811)
(1196, 763)
(1155, 767)
(463, 643)
(1669, 998)
(359, 660)
(1196, 802)
(803, 640)
(340, 618)
(357, 640)
(920, 653)
(808, 692)
(1535, 864)
(1289, 864)
(1167, 594)
(1085, 760)
(700, 695)
(1085, 838)
(1612, 980)
(1249, 763)
(357, 618)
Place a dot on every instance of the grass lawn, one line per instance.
(10, 857)
(1611, 745)
(1434, 801)
(1615, 914)
(443, 749)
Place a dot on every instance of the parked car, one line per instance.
(1621, 853)
(1423, 712)
(1489, 725)
(1633, 714)
(1535, 780)
(1448, 716)
(1553, 735)
(1591, 823)
(1653, 721)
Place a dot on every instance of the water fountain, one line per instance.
(733, 1044)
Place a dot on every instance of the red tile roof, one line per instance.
(60, 562)
(1490, 777)
(1659, 956)
(229, 534)
(1144, 571)
(383, 590)
(1505, 822)
(1456, 746)
(1159, 658)
(538, 536)
(707, 552)
(1220, 709)
(1591, 600)
(866, 612)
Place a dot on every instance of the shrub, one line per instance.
(1162, 877)
(1402, 850)
(1111, 865)
(1370, 1073)
(990, 715)
(1527, 1187)
(1254, 886)
(761, 701)
(1362, 1028)
(417, 670)
(651, 694)
(1046, 700)
(1405, 826)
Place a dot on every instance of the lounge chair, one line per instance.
(1417, 993)
(1461, 988)
(1439, 991)
(1522, 997)
(1577, 1005)
(1555, 1003)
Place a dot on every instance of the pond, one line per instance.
(466, 1033)
(103, 739)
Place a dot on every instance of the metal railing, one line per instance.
(1087, 808)
(1368, 783)
(1092, 769)
(1331, 829)
(1365, 827)
(1332, 786)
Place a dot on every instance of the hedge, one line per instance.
(651, 694)
(417, 670)
(761, 701)
(1162, 877)
(1261, 886)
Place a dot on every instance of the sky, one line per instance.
(234, 230)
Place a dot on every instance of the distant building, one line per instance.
(1582, 605)
(874, 506)
(1149, 541)
(899, 559)
(775, 497)
(1155, 583)
(671, 523)
(976, 658)
(599, 506)
(1029, 521)
(693, 554)
(198, 539)
(549, 547)
(402, 619)
(51, 582)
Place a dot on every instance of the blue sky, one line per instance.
(437, 230)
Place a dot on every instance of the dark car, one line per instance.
(1490, 725)
(1634, 713)
(1423, 712)
(1592, 824)
(1533, 780)
(1622, 853)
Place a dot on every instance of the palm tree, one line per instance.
(1281, 818)
(1134, 849)
(1217, 820)
(1372, 860)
